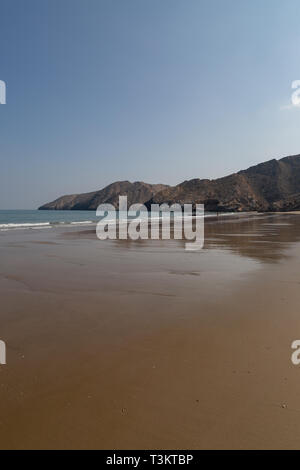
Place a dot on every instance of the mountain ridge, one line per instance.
(273, 185)
(136, 192)
(266, 186)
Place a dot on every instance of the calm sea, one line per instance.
(11, 219)
(14, 219)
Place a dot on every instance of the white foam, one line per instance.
(26, 225)
(85, 222)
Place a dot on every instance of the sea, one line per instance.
(36, 219)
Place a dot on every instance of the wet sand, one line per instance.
(142, 345)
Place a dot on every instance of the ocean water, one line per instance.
(34, 219)
(13, 219)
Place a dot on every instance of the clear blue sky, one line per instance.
(152, 90)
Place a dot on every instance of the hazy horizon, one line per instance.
(160, 91)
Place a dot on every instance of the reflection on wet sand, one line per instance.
(264, 238)
(123, 344)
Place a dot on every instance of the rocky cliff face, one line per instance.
(269, 186)
(135, 192)
(273, 185)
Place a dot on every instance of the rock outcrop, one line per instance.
(273, 185)
(135, 192)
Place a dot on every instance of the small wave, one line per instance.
(24, 225)
(85, 222)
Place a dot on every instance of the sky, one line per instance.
(159, 91)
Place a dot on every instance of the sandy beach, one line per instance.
(142, 345)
